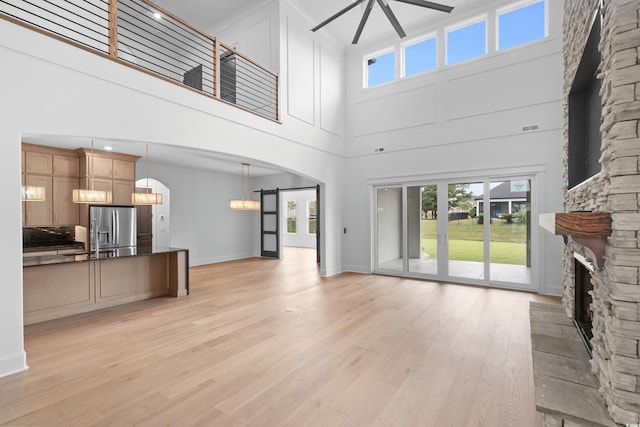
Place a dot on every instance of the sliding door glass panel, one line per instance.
(510, 241)
(389, 229)
(422, 229)
(465, 230)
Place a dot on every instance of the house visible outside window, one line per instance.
(380, 68)
(521, 23)
(419, 56)
(292, 219)
(466, 42)
(312, 218)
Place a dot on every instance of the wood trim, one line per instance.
(216, 67)
(235, 52)
(585, 224)
(113, 28)
(589, 229)
(107, 154)
(26, 146)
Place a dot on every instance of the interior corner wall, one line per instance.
(468, 119)
(12, 354)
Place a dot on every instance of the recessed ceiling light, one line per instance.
(157, 15)
(108, 147)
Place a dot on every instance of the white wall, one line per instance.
(201, 220)
(460, 120)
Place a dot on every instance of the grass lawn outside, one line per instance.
(507, 246)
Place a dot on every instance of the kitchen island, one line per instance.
(62, 284)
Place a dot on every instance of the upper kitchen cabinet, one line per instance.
(109, 171)
(125, 169)
(65, 212)
(66, 165)
(39, 214)
(36, 162)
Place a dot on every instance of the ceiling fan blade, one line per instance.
(346, 9)
(392, 18)
(363, 21)
(428, 4)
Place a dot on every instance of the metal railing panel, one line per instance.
(247, 84)
(143, 34)
(82, 21)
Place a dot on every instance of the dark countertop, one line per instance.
(79, 246)
(32, 261)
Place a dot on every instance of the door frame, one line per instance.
(532, 172)
(278, 228)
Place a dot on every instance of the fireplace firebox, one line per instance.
(582, 305)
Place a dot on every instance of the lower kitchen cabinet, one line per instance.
(55, 290)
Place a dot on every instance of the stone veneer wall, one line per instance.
(616, 296)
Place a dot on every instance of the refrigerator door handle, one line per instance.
(116, 235)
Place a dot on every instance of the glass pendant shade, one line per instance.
(146, 198)
(91, 196)
(245, 204)
(31, 193)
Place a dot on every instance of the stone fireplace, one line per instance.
(615, 305)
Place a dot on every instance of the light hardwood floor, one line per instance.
(268, 343)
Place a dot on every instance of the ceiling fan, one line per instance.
(384, 4)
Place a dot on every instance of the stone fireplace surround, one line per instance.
(616, 189)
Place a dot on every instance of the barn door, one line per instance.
(270, 223)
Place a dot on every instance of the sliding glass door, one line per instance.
(510, 240)
(465, 227)
(422, 229)
(390, 248)
(474, 231)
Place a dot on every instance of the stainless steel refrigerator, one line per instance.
(112, 227)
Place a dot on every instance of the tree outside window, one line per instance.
(292, 219)
(312, 215)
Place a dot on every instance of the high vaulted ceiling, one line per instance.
(205, 14)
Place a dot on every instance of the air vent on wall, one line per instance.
(529, 128)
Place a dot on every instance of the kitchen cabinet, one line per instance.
(39, 213)
(38, 163)
(124, 169)
(66, 165)
(60, 171)
(57, 286)
(65, 212)
(122, 192)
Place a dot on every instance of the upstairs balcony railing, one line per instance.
(149, 38)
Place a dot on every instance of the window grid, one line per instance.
(491, 22)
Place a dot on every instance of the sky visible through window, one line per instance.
(381, 69)
(420, 57)
(467, 42)
(521, 25)
(515, 27)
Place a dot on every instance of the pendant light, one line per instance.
(86, 196)
(32, 193)
(146, 198)
(245, 203)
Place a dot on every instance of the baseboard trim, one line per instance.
(13, 363)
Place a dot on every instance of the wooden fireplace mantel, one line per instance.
(589, 229)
